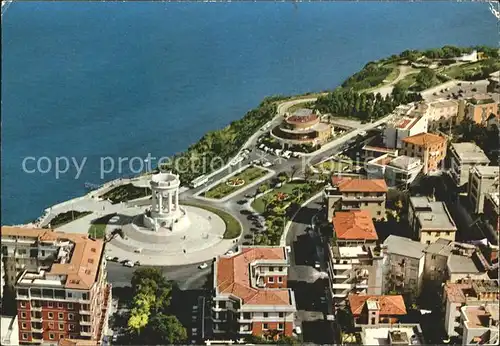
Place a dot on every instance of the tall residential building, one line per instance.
(59, 282)
(404, 265)
(391, 334)
(467, 292)
(430, 148)
(430, 220)
(482, 180)
(357, 194)
(480, 324)
(251, 294)
(491, 212)
(464, 156)
(442, 114)
(480, 107)
(355, 262)
(401, 127)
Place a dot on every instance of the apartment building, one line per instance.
(402, 171)
(430, 148)
(480, 324)
(482, 180)
(464, 156)
(391, 334)
(251, 295)
(491, 212)
(442, 114)
(480, 107)
(404, 268)
(355, 262)
(437, 255)
(430, 220)
(399, 128)
(59, 282)
(465, 293)
(375, 309)
(356, 194)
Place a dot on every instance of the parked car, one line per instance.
(229, 253)
(137, 263)
(203, 266)
(128, 264)
(115, 259)
(138, 250)
(298, 330)
(317, 265)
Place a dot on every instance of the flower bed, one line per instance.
(236, 182)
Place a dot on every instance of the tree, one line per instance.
(282, 177)
(295, 169)
(425, 78)
(138, 320)
(263, 188)
(166, 329)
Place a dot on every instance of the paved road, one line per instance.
(309, 285)
(187, 277)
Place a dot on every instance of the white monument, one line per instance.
(166, 212)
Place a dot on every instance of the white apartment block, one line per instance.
(464, 156)
(480, 324)
(482, 180)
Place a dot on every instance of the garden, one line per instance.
(97, 228)
(334, 166)
(124, 193)
(235, 182)
(66, 217)
(280, 204)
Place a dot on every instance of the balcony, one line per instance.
(37, 329)
(244, 320)
(89, 333)
(36, 319)
(36, 308)
(363, 198)
(84, 311)
(85, 322)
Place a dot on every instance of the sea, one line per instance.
(100, 81)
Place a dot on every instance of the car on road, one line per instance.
(248, 236)
(203, 266)
(128, 263)
(246, 243)
(115, 259)
(317, 265)
(322, 300)
(298, 330)
(138, 250)
(229, 253)
(137, 263)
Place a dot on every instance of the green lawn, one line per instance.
(258, 204)
(233, 227)
(98, 227)
(408, 80)
(333, 166)
(248, 175)
(299, 106)
(125, 193)
(467, 68)
(69, 216)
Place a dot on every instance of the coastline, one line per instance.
(280, 105)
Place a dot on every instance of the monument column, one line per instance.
(169, 201)
(177, 200)
(160, 203)
(153, 202)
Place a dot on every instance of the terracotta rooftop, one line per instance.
(359, 185)
(388, 304)
(83, 265)
(77, 342)
(354, 224)
(424, 139)
(234, 277)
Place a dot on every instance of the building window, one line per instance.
(280, 326)
(60, 305)
(264, 326)
(222, 305)
(271, 269)
(60, 316)
(61, 326)
(70, 306)
(266, 314)
(51, 336)
(280, 279)
(70, 317)
(433, 257)
(270, 279)
(23, 325)
(379, 213)
(61, 336)
(23, 304)
(50, 304)
(50, 315)
(281, 314)
(70, 295)
(51, 324)
(280, 269)
(25, 336)
(71, 327)
(447, 233)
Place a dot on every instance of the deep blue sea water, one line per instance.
(124, 79)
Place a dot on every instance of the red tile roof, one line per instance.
(388, 305)
(354, 224)
(234, 277)
(360, 185)
(424, 139)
